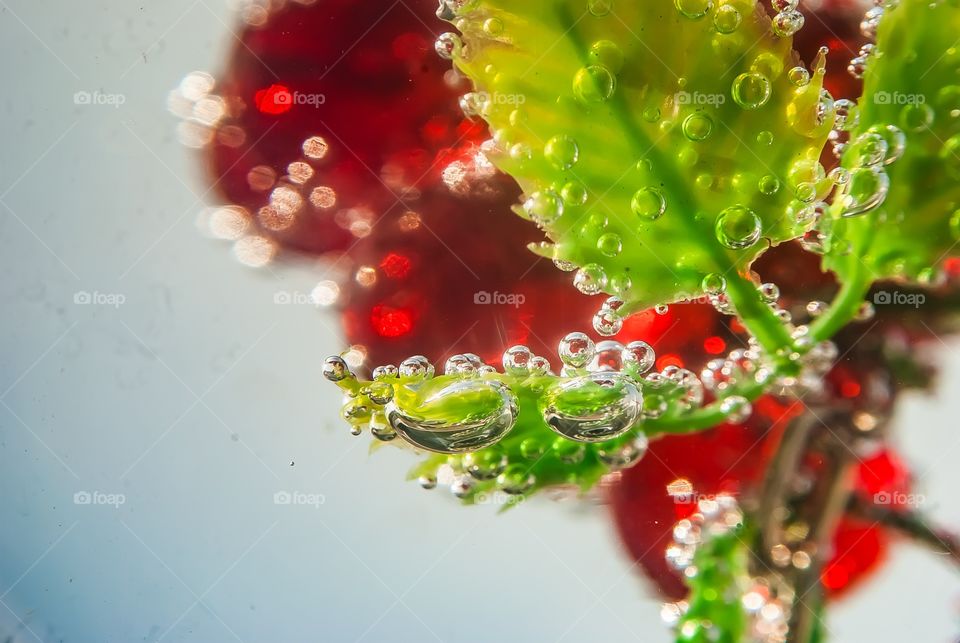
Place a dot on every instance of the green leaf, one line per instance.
(911, 89)
(657, 142)
(498, 436)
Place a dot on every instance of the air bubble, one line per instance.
(574, 193)
(867, 190)
(916, 117)
(637, 358)
(737, 409)
(787, 23)
(416, 367)
(516, 361)
(648, 203)
(562, 152)
(590, 279)
(769, 184)
(738, 227)
(727, 19)
(594, 84)
(335, 369)
(486, 464)
(599, 8)
(448, 45)
(610, 244)
(608, 356)
(895, 138)
(799, 76)
(576, 350)
(607, 323)
(592, 408)
(697, 126)
(543, 207)
(516, 479)
(427, 417)
(693, 9)
(751, 90)
(714, 283)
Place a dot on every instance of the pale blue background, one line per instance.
(193, 398)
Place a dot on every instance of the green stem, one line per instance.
(844, 307)
(757, 316)
(703, 418)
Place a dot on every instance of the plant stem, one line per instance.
(844, 306)
(911, 524)
(776, 484)
(835, 493)
(756, 315)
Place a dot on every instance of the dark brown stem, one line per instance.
(912, 525)
(831, 498)
(776, 486)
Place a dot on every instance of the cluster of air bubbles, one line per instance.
(846, 119)
(868, 27)
(463, 475)
(788, 20)
(610, 390)
(858, 64)
(715, 517)
(599, 397)
(814, 359)
(198, 107)
(769, 614)
(609, 319)
(724, 374)
(866, 184)
(520, 361)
